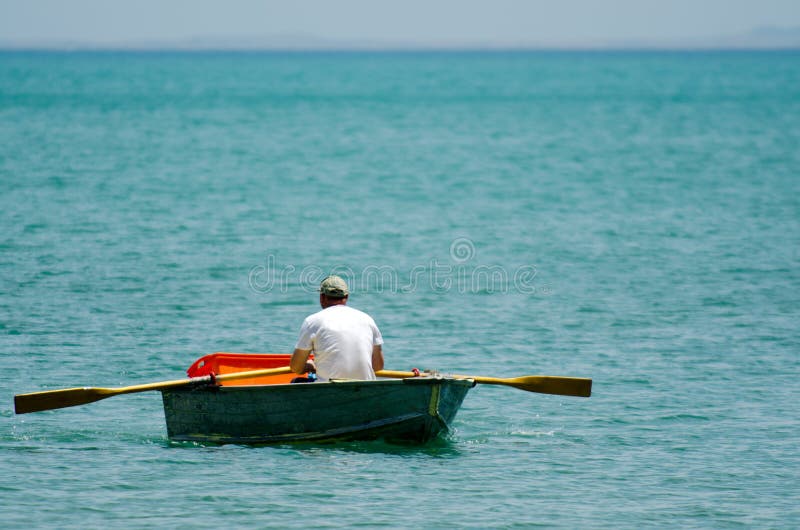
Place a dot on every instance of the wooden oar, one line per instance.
(70, 397)
(543, 384)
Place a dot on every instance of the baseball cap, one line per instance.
(334, 286)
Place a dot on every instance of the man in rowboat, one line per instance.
(346, 342)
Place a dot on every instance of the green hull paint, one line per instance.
(409, 410)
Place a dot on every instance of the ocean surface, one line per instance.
(629, 217)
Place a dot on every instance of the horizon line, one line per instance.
(5, 47)
(767, 38)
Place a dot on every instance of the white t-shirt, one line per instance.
(341, 339)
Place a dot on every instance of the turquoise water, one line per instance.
(633, 218)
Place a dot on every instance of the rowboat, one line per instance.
(268, 410)
(254, 399)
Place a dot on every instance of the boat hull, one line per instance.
(412, 410)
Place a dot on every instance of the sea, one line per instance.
(629, 217)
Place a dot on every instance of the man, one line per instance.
(346, 342)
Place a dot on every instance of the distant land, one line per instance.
(762, 38)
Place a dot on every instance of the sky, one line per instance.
(525, 23)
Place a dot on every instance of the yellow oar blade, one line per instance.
(542, 384)
(70, 397)
(57, 399)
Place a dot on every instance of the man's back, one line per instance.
(342, 340)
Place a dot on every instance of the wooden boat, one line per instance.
(250, 398)
(272, 410)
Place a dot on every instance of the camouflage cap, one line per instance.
(334, 287)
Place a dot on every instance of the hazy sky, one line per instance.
(514, 22)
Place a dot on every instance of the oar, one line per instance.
(70, 397)
(543, 384)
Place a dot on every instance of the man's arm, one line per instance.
(377, 357)
(300, 364)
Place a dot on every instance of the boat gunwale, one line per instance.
(423, 380)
